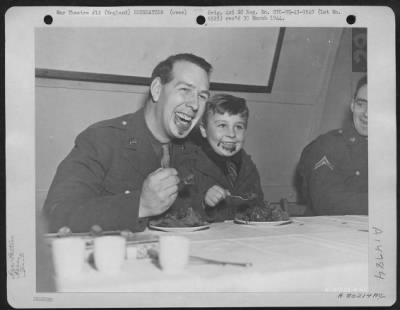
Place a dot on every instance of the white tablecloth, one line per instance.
(318, 254)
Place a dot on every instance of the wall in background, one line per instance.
(312, 68)
(238, 55)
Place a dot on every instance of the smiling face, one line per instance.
(225, 133)
(359, 107)
(180, 103)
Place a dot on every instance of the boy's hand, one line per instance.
(214, 195)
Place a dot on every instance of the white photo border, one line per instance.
(20, 25)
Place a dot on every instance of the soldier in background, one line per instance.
(334, 168)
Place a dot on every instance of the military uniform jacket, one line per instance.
(208, 174)
(100, 181)
(334, 173)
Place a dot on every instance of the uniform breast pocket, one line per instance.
(347, 171)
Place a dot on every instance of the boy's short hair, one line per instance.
(224, 103)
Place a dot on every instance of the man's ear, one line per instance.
(203, 130)
(155, 89)
(352, 105)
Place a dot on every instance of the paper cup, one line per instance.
(109, 253)
(174, 253)
(131, 252)
(68, 256)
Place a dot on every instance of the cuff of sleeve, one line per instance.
(131, 204)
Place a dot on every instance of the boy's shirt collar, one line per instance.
(219, 160)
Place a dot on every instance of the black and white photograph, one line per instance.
(213, 156)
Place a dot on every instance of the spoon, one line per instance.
(154, 255)
(219, 262)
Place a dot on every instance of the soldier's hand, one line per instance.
(214, 195)
(159, 191)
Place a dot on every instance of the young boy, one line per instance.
(221, 167)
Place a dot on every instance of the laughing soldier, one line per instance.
(119, 171)
(334, 167)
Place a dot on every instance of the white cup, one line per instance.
(68, 256)
(173, 253)
(131, 252)
(109, 253)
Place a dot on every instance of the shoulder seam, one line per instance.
(113, 122)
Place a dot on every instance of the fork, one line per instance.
(188, 180)
(245, 197)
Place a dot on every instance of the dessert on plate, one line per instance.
(182, 216)
(266, 213)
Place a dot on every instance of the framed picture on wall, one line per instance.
(251, 65)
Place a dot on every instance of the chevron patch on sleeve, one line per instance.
(323, 162)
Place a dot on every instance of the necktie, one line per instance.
(165, 159)
(232, 173)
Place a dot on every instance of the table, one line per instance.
(312, 254)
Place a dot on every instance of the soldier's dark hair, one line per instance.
(164, 69)
(361, 82)
(224, 103)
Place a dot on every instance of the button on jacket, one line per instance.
(334, 173)
(100, 181)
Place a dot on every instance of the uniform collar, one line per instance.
(137, 130)
(138, 138)
(350, 134)
(137, 127)
(139, 135)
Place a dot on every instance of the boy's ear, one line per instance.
(155, 89)
(203, 130)
(352, 105)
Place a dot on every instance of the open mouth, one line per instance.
(228, 146)
(183, 121)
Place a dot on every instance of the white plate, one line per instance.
(270, 223)
(179, 229)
